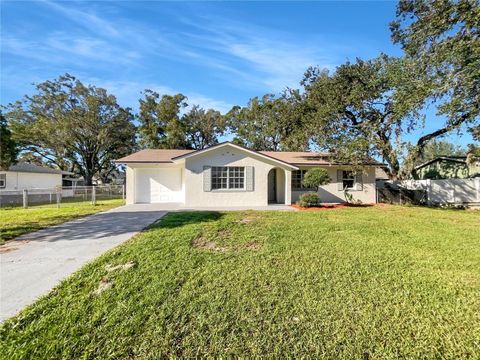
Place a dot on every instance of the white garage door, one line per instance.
(157, 185)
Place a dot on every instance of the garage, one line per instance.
(158, 185)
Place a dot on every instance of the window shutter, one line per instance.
(358, 182)
(207, 178)
(249, 178)
(339, 180)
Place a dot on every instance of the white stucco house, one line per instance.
(29, 176)
(230, 175)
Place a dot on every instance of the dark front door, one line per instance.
(272, 186)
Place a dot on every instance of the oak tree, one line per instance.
(8, 146)
(74, 126)
(442, 39)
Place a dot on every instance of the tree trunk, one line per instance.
(393, 168)
(389, 155)
(88, 179)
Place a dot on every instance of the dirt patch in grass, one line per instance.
(253, 246)
(223, 234)
(126, 266)
(104, 284)
(248, 219)
(203, 243)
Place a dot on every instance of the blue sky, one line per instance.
(218, 54)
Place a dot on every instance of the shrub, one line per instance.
(309, 199)
(316, 177)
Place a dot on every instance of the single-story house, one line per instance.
(231, 175)
(447, 167)
(29, 176)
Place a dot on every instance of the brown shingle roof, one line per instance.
(166, 156)
(153, 156)
(289, 157)
(299, 158)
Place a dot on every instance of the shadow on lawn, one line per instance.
(110, 224)
(182, 218)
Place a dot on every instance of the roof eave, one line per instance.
(228, 143)
(459, 160)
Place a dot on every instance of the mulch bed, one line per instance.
(329, 206)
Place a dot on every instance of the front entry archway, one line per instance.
(276, 186)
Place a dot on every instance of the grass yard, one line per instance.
(18, 221)
(379, 282)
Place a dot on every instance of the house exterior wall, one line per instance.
(130, 185)
(23, 180)
(195, 195)
(330, 193)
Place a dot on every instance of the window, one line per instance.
(297, 179)
(348, 179)
(3, 181)
(236, 177)
(228, 177)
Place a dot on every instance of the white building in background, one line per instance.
(29, 176)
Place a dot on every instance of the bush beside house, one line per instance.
(309, 199)
(314, 178)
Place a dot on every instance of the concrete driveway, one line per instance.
(32, 264)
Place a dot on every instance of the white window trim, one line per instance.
(228, 188)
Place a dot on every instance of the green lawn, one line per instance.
(355, 283)
(18, 221)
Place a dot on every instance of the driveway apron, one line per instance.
(32, 264)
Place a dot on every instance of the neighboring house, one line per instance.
(447, 167)
(29, 176)
(117, 177)
(230, 175)
(69, 181)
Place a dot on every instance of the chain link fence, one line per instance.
(60, 195)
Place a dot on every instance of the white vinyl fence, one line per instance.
(449, 191)
(60, 195)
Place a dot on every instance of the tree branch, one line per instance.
(426, 138)
(352, 117)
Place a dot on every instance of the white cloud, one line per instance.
(129, 92)
(258, 54)
(87, 19)
(242, 55)
(209, 103)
